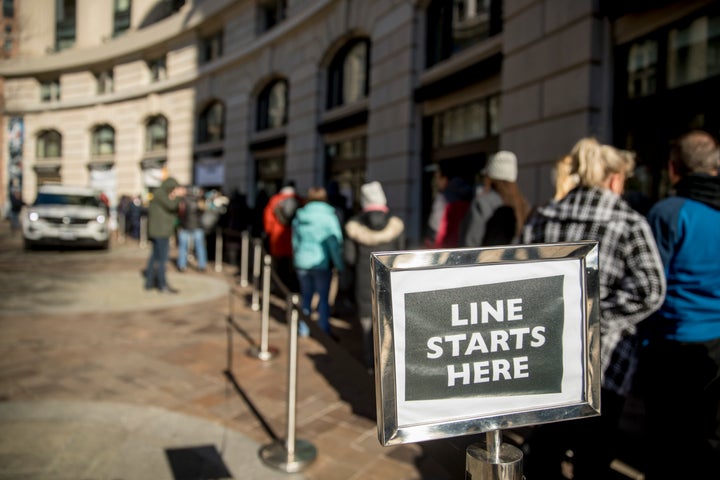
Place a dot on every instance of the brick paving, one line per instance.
(77, 327)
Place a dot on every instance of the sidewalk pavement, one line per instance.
(100, 379)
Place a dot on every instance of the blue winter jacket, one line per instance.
(317, 237)
(687, 231)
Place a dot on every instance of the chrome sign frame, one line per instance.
(439, 306)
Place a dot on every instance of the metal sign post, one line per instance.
(295, 454)
(493, 460)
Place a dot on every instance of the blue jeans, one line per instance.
(316, 281)
(198, 238)
(155, 270)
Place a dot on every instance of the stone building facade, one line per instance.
(244, 94)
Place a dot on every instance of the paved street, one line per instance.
(100, 379)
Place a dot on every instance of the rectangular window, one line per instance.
(642, 69)
(50, 91)
(157, 69)
(8, 39)
(211, 47)
(453, 26)
(271, 12)
(8, 8)
(693, 52)
(64, 24)
(121, 17)
(468, 122)
(105, 82)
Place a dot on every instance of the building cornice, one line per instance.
(133, 44)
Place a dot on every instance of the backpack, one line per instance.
(488, 222)
(285, 210)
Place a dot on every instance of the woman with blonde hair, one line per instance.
(632, 286)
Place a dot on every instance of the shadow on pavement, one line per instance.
(197, 463)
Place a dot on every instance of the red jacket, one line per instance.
(279, 234)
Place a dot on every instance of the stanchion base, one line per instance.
(276, 456)
(479, 464)
(256, 352)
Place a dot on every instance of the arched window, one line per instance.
(460, 24)
(103, 140)
(349, 74)
(156, 134)
(211, 126)
(272, 105)
(49, 144)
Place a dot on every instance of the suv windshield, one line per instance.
(67, 199)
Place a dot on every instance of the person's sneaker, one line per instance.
(169, 290)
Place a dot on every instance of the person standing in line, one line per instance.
(16, 206)
(499, 210)
(277, 221)
(373, 229)
(317, 243)
(190, 209)
(162, 218)
(632, 287)
(679, 371)
(455, 192)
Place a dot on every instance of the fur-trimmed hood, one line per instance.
(374, 228)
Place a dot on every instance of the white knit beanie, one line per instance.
(372, 194)
(502, 166)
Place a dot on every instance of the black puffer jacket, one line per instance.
(367, 232)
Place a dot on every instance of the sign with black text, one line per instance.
(482, 339)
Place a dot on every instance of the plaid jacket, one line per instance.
(632, 282)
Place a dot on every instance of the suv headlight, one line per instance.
(100, 219)
(33, 216)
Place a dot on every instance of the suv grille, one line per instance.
(67, 221)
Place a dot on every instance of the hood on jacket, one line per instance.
(169, 184)
(700, 187)
(374, 228)
(307, 213)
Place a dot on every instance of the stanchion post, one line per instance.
(257, 245)
(218, 249)
(143, 231)
(121, 228)
(295, 454)
(265, 352)
(244, 253)
(493, 460)
(229, 330)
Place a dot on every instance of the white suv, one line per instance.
(66, 215)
